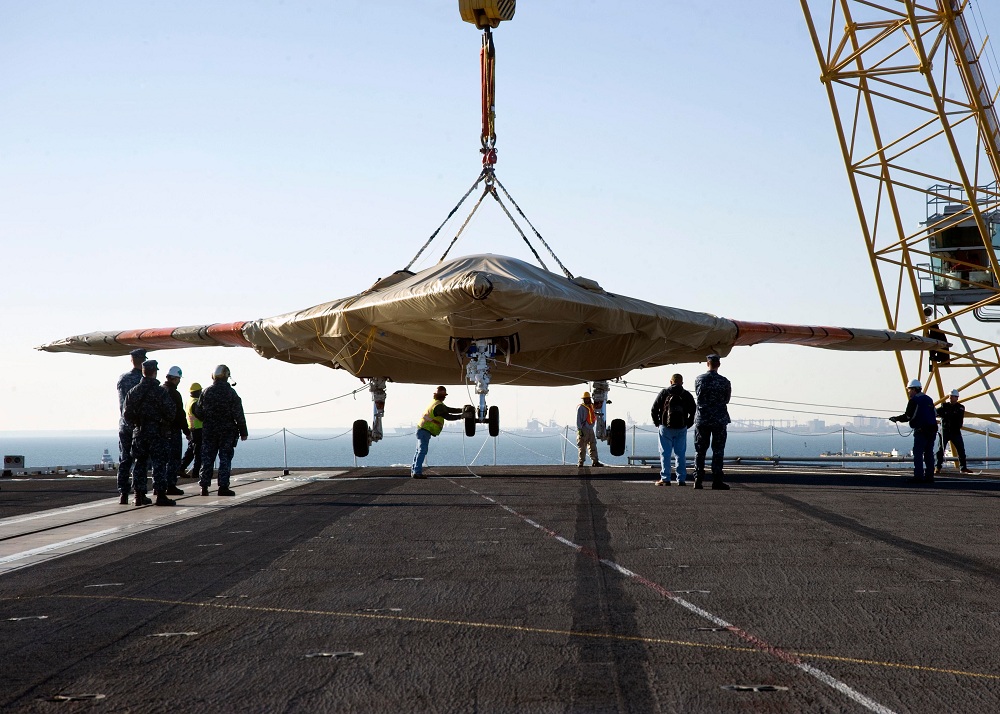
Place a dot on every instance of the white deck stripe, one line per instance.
(779, 654)
(32, 547)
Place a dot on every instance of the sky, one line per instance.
(182, 163)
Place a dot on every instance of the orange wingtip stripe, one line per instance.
(229, 334)
(154, 338)
(753, 333)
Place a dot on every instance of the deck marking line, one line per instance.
(56, 512)
(500, 626)
(57, 546)
(758, 643)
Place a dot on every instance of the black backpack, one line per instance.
(674, 413)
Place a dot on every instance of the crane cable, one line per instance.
(487, 71)
(488, 140)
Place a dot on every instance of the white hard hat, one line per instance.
(914, 384)
(954, 392)
(174, 371)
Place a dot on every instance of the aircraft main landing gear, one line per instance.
(615, 436)
(362, 436)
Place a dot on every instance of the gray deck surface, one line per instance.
(532, 589)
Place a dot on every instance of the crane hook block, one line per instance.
(486, 13)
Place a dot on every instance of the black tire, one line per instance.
(494, 421)
(470, 426)
(616, 438)
(361, 444)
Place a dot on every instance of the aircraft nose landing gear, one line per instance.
(477, 371)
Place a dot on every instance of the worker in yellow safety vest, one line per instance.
(193, 452)
(586, 417)
(430, 425)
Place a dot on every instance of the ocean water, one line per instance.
(333, 448)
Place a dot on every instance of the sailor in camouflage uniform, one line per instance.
(712, 392)
(149, 409)
(125, 384)
(221, 411)
(167, 462)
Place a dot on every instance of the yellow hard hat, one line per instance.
(586, 395)
(195, 387)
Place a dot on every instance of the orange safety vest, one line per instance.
(591, 414)
(430, 422)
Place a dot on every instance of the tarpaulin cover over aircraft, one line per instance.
(548, 329)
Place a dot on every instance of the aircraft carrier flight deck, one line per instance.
(504, 589)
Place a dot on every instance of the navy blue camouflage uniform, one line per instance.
(712, 393)
(221, 411)
(167, 462)
(125, 384)
(150, 410)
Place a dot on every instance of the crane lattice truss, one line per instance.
(918, 129)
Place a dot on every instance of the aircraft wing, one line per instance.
(548, 330)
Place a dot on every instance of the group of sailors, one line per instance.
(154, 420)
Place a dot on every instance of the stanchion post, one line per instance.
(772, 442)
(633, 441)
(284, 451)
(987, 447)
(843, 447)
(565, 439)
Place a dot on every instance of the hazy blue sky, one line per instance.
(188, 162)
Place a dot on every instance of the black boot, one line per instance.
(204, 491)
(123, 499)
(698, 481)
(227, 491)
(174, 491)
(719, 485)
(162, 500)
(141, 499)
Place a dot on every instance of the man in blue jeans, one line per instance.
(430, 425)
(673, 412)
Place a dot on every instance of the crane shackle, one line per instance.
(486, 13)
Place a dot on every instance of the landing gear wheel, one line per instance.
(361, 444)
(616, 439)
(494, 421)
(470, 426)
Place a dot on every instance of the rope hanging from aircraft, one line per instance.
(487, 177)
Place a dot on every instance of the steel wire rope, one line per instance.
(465, 457)
(527, 436)
(991, 58)
(259, 438)
(496, 197)
(472, 188)
(303, 406)
(536, 453)
(325, 438)
(786, 401)
(535, 230)
(465, 224)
